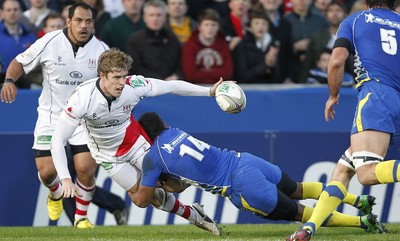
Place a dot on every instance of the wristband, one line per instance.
(9, 80)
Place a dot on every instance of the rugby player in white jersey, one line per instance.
(67, 58)
(117, 142)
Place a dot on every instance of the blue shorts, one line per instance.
(378, 108)
(253, 185)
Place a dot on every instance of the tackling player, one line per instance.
(250, 183)
(103, 107)
(372, 35)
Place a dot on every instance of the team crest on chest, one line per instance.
(126, 109)
(92, 64)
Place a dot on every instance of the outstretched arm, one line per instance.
(184, 88)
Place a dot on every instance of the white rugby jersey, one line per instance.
(113, 134)
(63, 70)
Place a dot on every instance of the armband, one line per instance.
(343, 42)
(9, 80)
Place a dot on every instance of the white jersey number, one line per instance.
(389, 41)
(201, 146)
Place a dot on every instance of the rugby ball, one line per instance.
(230, 97)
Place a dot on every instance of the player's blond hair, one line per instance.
(114, 59)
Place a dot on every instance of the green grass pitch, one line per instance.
(265, 232)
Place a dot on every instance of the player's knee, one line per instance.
(365, 163)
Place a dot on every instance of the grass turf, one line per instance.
(265, 232)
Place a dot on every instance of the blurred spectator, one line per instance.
(36, 14)
(319, 74)
(234, 25)
(319, 7)
(53, 21)
(304, 24)
(255, 57)
(196, 7)
(114, 7)
(65, 7)
(357, 6)
(14, 37)
(116, 32)
(206, 56)
(325, 38)
(281, 30)
(155, 49)
(179, 23)
(101, 17)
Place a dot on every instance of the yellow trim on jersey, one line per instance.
(360, 106)
(361, 82)
(246, 206)
(223, 191)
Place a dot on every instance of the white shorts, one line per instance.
(125, 174)
(44, 132)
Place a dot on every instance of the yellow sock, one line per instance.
(388, 171)
(306, 214)
(342, 220)
(352, 199)
(312, 189)
(329, 200)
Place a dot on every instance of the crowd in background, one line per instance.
(249, 41)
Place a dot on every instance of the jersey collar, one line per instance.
(109, 100)
(75, 47)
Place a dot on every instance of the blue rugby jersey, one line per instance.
(181, 155)
(375, 37)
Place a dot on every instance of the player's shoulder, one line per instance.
(98, 43)
(136, 81)
(50, 38)
(88, 84)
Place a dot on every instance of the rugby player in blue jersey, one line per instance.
(249, 182)
(372, 36)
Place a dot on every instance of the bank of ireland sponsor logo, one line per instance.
(76, 74)
(43, 140)
(112, 122)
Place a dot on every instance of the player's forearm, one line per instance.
(14, 70)
(335, 78)
(179, 87)
(64, 131)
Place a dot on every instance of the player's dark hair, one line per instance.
(152, 124)
(71, 10)
(380, 3)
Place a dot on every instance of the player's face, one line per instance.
(113, 83)
(80, 27)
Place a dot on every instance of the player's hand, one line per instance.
(69, 189)
(329, 111)
(8, 92)
(215, 86)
